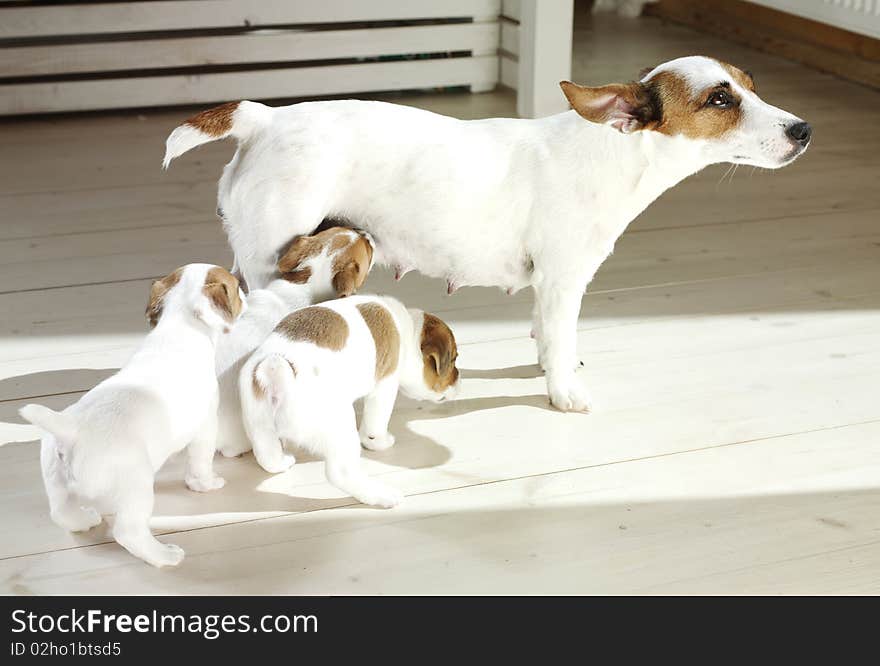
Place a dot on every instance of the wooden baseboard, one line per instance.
(823, 47)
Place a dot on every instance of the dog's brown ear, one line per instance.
(438, 353)
(302, 248)
(627, 107)
(346, 280)
(351, 267)
(158, 290)
(221, 288)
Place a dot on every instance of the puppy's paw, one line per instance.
(282, 463)
(79, 520)
(205, 484)
(377, 442)
(167, 555)
(569, 395)
(382, 496)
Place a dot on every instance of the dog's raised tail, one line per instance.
(55, 423)
(236, 119)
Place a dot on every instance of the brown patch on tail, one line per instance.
(386, 337)
(216, 121)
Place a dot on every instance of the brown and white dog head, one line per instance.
(334, 262)
(432, 373)
(703, 100)
(209, 293)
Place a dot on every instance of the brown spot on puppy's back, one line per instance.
(385, 336)
(318, 325)
(158, 290)
(221, 287)
(439, 352)
(216, 121)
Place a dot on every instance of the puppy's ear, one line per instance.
(352, 266)
(300, 249)
(347, 279)
(627, 107)
(438, 353)
(158, 290)
(222, 290)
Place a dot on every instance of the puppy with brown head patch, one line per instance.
(298, 387)
(329, 264)
(99, 456)
(502, 202)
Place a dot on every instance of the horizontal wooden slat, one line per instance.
(43, 21)
(259, 46)
(262, 84)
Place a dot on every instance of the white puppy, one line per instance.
(333, 263)
(497, 202)
(298, 387)
(101, 454)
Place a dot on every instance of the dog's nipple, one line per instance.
(451, 287)
(400, 271)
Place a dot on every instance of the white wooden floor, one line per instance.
(731, 343)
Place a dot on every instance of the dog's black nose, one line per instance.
(800, 132)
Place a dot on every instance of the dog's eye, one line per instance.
(719, 99)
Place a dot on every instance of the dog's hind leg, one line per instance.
(131, 528)
(341, 447)
(64, 507)
(200, 475)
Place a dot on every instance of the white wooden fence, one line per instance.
(84, 55)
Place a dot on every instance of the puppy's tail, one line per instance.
(237, 119)
(263, 384)
(61, 425)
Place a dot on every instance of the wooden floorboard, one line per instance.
(730, 343)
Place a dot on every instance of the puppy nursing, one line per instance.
(298, 387)
(333, 263)
(100, 455)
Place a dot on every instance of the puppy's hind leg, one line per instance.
(131, 528)
(200, 475)
(261, 394)
(339, 442)
(64, 507)
(377, 412)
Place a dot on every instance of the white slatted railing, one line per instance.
(80, 56)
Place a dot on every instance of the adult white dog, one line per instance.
(498, 202)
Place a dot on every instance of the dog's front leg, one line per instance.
(559, 307)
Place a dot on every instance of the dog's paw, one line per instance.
(167, 555)
(281, 463)
(382, 496)
(377, 442)
(205, 484)
(569, 396)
